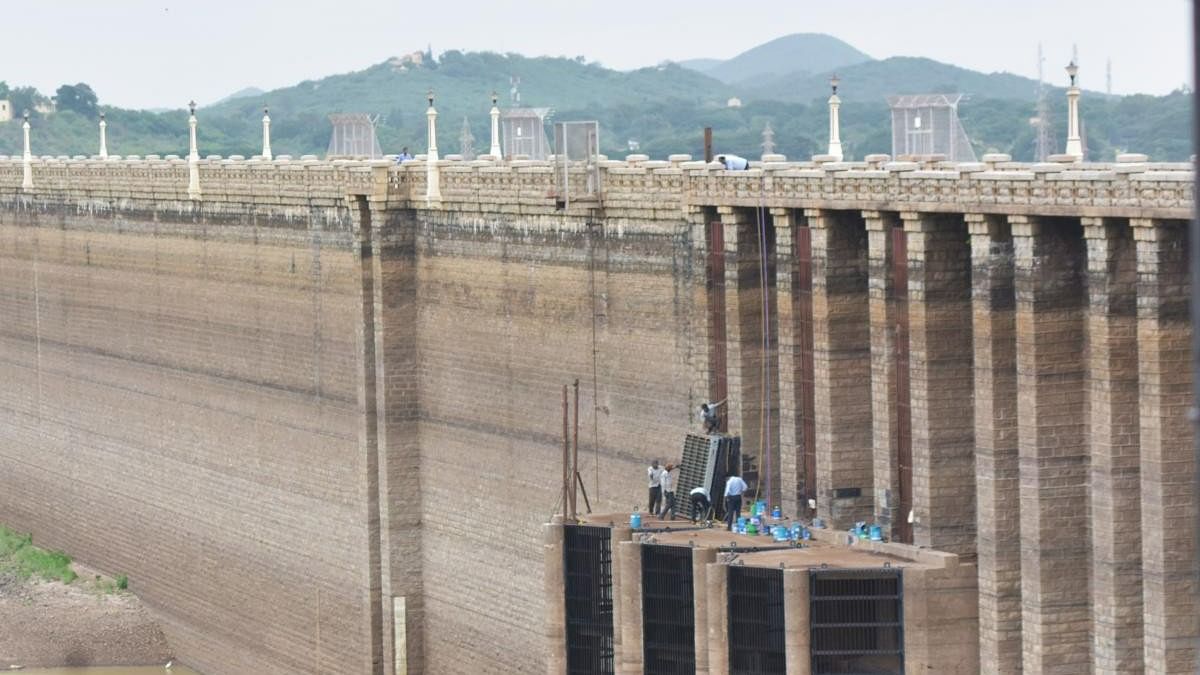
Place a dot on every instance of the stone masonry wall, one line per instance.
(180, 404)
(316, 402)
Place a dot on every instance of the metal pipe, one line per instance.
(575, 453)
(566, 462)
(708, 153)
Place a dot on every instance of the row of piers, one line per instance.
(1010, 388)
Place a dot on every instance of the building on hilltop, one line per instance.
(927, 124)
(5, 110)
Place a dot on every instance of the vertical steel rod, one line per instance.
(566, 462)
(708, 154)
(575, 454)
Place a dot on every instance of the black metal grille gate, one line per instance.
(668, 613)
(587, 568)
(755, 621)
(857, 621)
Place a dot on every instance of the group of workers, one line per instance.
(661, 499)
(662, 495)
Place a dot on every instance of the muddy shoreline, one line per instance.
(47, 624)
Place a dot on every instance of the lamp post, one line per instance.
(26, 159)
(103, 138)
(835, 137)
(266, 151)
(495, 151)
(1074, 144)
(193, 155)
(433, 189)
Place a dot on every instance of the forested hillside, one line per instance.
(663, 109)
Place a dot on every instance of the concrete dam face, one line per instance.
(314, 411)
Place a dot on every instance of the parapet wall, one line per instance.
(1130, 189)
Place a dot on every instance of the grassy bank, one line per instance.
(19, 555)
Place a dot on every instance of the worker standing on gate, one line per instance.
(734, 487)
(654, 476)
(709, 416)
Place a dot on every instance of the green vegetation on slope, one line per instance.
(664, 109)
(19, 555)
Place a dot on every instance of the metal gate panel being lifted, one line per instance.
(587, 568)
(668, 610)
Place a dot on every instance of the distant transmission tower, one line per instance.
(466, 141)
(1042, 149)
(768, 136)
(514, 92)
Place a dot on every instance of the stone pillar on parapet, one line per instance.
(103, 138)
(1049, 268)
(1114, 498)
(193, 155)
(835, 132)
(940, 380)
(997, 485)
(26, 159)
(1167, 465)
(495, 151)
(433, 189)
(841, 367)
(266, 151)
(1074, 144)
(883, 304)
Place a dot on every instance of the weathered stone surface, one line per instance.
(310, 394)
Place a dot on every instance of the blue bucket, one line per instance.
(876, 533)
(635, 520)
(776, 512)
(782, 533)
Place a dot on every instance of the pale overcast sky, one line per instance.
(160, 53)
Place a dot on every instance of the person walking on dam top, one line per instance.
(734, 487)
(654, 475)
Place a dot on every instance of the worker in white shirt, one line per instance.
(734, 487)
(700, 503)
(668, 491)
(733, 162)
(654, 476)
(709, 416)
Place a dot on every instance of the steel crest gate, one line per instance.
(756, 621)
(856, 621)
(587, 568)
(668, 612)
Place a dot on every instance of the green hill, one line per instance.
(785, 56)
(875, 80)
(663, 109)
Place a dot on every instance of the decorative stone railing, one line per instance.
(1132, 188)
